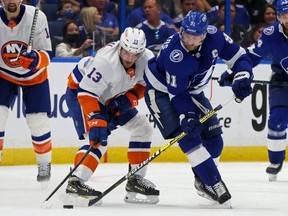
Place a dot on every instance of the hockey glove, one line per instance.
(98, 129)
(225, 79)
(190, 124)
(241, 85)
(29, 60)
(124, 103)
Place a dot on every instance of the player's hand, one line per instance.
(241, 85)
(190, 124)
(98, 129)
(123, 103)
(225, 79)
(29, 60)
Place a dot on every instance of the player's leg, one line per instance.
(37, 106)
(203, 151)
(277, 125)
(8, 93)
(76, 113)
(77, 183)
(139, 151)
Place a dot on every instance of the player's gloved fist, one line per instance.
(190, 124)
(124, 103)
(98, 129)
(241, 85)
(29, 60)
(225, 79)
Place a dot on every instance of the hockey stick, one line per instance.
(33, 27)
(152, 157)
(46, 204)
(263, 82)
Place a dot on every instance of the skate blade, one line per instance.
(272, 177)
(132, 197)
(215, 203)
(75, 200)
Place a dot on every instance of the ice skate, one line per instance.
(223, 195)
(272, 171)
(141, 190)
(44, 174)
(204, 190)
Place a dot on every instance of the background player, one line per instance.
(273, 45)
(109, 87)
(174, 95)
(29, 71)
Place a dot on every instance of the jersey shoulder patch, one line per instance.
(269, 30)
(211, 29)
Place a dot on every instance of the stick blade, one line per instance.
(69, 199)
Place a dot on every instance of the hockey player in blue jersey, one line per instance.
(273, 45)
(174, 95)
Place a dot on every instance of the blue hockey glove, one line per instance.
(190, 124)
(225, 79)
(124, 103)
(29, 60)
(241, 85)
(98, 129)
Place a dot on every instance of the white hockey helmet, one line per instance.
(133, 40)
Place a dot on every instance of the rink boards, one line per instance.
(244, 125)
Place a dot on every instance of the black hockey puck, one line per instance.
(68, 206)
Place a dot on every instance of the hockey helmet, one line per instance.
(282, 6)
(133, 40)
(194, 23)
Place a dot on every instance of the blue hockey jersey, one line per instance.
(272, 45)
(181, 73)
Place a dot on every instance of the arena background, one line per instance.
(244, 124)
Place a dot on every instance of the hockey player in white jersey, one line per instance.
(29, 72)
(174, 94)
(108, 87)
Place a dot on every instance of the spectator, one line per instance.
(65, 11)
(90, 17)
(256, 32)
(254, 8)
(241, 18)
(155, 29)
(185, 6)
(72, 45)
(138, 16)
(109, 24)
(269, 14)
(238, 33)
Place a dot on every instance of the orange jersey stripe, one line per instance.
(44, 60)
(71, 83)
(1, 144)
(42, 148)
(89, 161)
(89, 104)
(38, 79)
(137, 157)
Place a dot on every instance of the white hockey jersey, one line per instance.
(106, 77)
(14, 39)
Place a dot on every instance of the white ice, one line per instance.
(252, 193)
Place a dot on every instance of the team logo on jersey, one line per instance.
(176, 56)
(211, 29)
(269, 30)
(284, 64)
(131, 72)
(10, 53)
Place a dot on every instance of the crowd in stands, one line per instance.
(80, 27)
